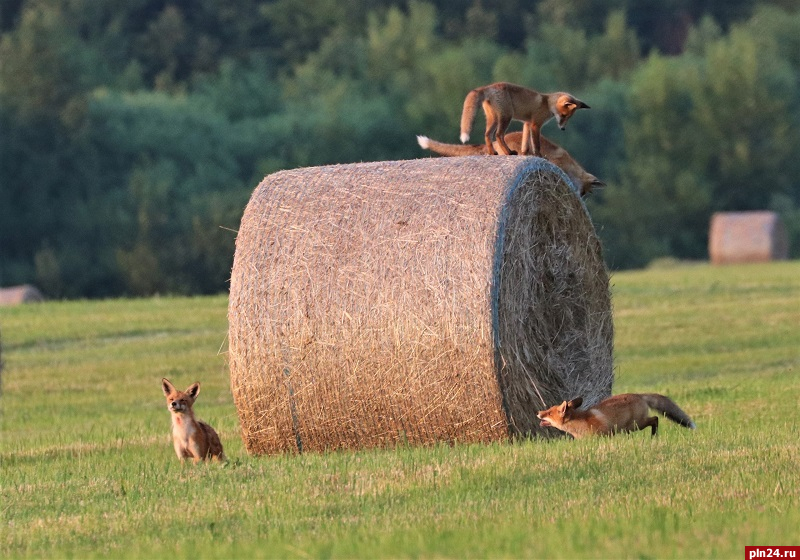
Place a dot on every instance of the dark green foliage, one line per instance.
(131, 133)
(709, 131)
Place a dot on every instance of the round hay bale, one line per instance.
(414, 302)
(17, 295)
(747, 237)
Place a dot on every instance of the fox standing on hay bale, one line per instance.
(190, 437)
(503, 102)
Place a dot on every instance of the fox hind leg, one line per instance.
(653, 423)
(502, 126)
(491, 126)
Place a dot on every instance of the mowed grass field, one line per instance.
(87, 468)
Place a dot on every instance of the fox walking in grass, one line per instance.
(190, 437)
(621, 413)
(552, 151)
(503, 102)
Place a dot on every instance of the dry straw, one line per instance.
(419, 301)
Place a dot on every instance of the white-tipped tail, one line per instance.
(471, 102)
(424, 142)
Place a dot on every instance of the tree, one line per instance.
(707, 132)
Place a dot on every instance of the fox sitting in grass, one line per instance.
(190, 437)
(621, 413)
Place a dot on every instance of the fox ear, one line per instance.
(576, 402)
(166, 386)
(193, 390)
(582, 105)
(562, 408)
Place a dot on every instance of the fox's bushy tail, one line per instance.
(471, 102)
(451, 149)
(668, 408)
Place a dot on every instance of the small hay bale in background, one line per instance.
(16, 295)
(414, 302)
(747, 237)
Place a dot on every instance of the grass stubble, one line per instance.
(87, 469)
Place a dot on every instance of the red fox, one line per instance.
(552, 151)
(502, 102)
(620, 413)
(190, 437)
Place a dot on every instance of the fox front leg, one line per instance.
(525, 147)
(536, 140)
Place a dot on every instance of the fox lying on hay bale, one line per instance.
(582, 179)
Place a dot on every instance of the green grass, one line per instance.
(87, 468)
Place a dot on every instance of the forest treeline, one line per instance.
(132, 132)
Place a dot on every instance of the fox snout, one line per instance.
(544, 423)
(565, 111)
(177, 406)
